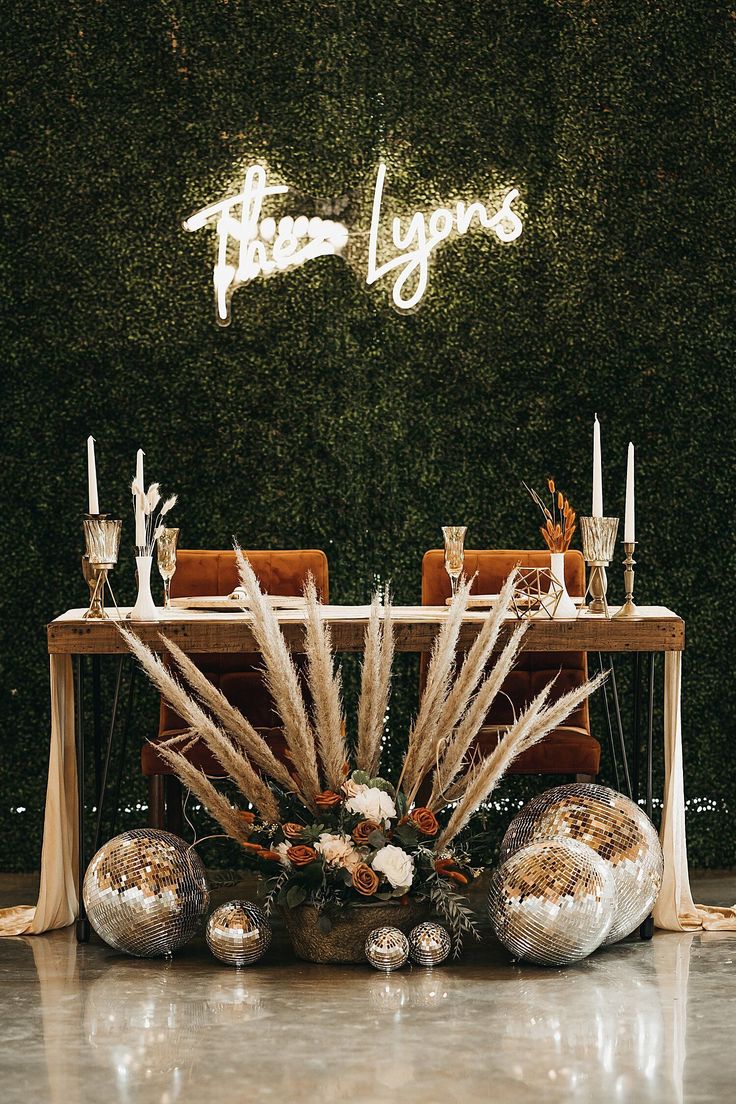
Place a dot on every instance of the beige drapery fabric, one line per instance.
(675, 909)
(58, 902)
(57, 897)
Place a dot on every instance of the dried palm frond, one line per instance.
(235, 763)
(532, 726)
(214, 802)
(282, 682)
(423, 734)
(375, 684)
(237, 726)
(459, 700)
(458, 745)
(325, 687)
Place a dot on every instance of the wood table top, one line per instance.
(655, 629)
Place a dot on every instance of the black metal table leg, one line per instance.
(609, 725)
(620, 727)
(102, 784)
(97, 720)
(123, 747)
(635, 726)
(646, 930)
(82, 921)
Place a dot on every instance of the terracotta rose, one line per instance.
(363, 829)
(327, 799)
(424, 821)
(365, 880)
(292, 831)
(301, 855)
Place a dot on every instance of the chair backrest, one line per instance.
(239, 675)
(533, 670)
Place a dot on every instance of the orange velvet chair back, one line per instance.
(570, 749)
(238, 675)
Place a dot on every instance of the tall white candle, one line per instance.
(140, 519)
(93, 505)
(629, 514)
(597, 510)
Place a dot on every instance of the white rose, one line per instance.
(282, 848)
(372, 804)
(337, 850)
(396, 865)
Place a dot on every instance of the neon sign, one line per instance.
(249, 246)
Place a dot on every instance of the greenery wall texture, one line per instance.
(321, 417)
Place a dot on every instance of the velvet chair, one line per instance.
(569, 749)
(239, 676)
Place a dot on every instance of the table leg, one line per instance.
(646, 930)
(620, 728)
(636, 726)
(609, 725)
(82, 921)
(97, 720)
(102, 784)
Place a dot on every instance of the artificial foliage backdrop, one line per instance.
(321, 417)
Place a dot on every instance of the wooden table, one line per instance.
(656, 630)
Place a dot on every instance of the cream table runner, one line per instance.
(58, 902)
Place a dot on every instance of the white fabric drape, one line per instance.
(57, 896)
(675, 909)
(58, 901)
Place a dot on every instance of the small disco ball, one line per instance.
(552, 902)
(614, 827)
(429, 944)
(387, 948)
(238, 933)
(145, 892)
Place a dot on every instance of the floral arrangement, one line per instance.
(323, 825)
(559, 521)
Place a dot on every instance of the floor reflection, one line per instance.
(615, 1027)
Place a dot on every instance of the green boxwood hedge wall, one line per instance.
(322, 417)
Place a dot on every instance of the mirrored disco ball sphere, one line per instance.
(238, 933)
(387, 948)
(429, 944)
(145, 892)
(552, 902)
(616, 829)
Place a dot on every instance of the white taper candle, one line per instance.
(93, 505)
(140, 518)
(597, 510)
(629, 529)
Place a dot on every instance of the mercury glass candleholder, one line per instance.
(166, 556)
(454, 552)
(599, 542)
(628, 609)
(102, 542)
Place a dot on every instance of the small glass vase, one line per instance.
(144, 608)
(559, 604)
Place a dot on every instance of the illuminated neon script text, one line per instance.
(249, 245)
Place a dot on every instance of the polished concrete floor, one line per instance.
(635, 1022)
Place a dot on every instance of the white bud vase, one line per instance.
(559, 604)
(144, 608)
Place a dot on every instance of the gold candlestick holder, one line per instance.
(101, 541)
(599, 542)
(628, 609)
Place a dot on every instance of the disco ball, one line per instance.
(145, 892)
(387, 948)
(238, 933)
(552, 902)
(429, 944)
(614, 827)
